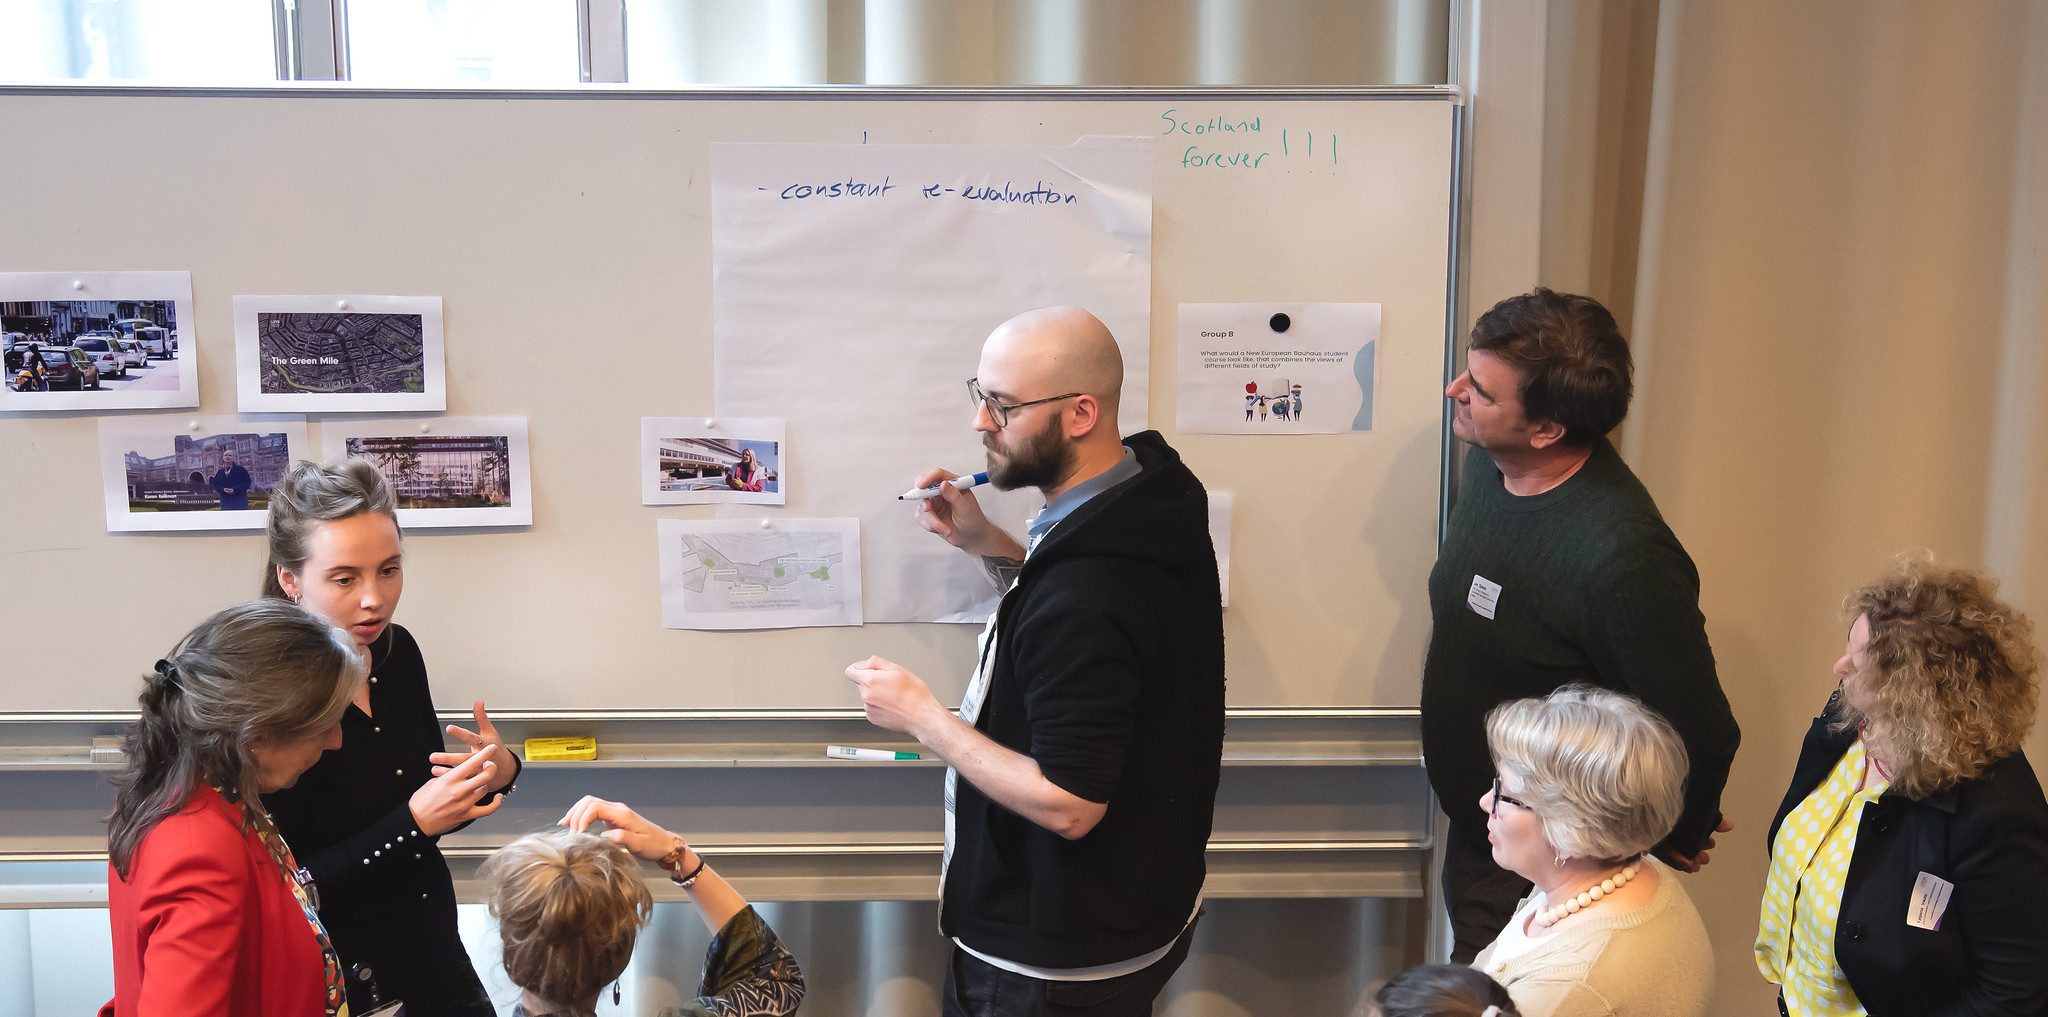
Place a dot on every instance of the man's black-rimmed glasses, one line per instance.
(999, 411)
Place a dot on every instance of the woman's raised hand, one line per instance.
(451, 798)
(484, 741)
(628, 829)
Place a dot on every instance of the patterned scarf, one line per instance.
(301, 882)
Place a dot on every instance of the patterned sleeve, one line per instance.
(748, 973)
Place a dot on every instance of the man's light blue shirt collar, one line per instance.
(1064, 504)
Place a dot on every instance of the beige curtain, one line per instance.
(1828, 231)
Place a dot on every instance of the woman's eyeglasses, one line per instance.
(1499, 797)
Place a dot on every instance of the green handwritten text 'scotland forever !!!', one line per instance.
(1240, 142)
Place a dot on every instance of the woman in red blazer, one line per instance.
(208, 913)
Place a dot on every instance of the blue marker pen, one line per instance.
(960, 483)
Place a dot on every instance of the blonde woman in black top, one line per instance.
(366, 819)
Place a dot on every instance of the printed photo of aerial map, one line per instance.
(337, 353)
(734, 574)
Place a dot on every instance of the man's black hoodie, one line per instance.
(1107, 670)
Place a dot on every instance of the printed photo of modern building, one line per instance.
(462, 471)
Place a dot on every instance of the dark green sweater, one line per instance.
(1594, 588)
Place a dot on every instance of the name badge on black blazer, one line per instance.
(1930, 901)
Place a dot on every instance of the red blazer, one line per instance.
(206, 924)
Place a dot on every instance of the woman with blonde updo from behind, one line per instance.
(569, 905)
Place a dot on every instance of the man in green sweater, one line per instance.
(1557, 570)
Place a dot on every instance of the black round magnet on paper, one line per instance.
(1280, 322)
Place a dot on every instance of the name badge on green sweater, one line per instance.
(1484, 596)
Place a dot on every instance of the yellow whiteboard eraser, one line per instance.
(539, 749)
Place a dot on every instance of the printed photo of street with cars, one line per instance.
(108, 346)
(97, 341)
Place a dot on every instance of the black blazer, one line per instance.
(1988, 836)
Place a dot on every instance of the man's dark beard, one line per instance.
(1044, 459)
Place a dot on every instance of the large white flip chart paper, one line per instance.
(852, 286)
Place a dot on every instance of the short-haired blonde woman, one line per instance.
(1586, 783)
(1909, 860)
(569, 905)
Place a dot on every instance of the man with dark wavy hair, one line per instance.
(1557, 569)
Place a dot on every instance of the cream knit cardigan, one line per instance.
(1654, 961)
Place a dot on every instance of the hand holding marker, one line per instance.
(914, 494)
(959, 483)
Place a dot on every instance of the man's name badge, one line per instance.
(1484, 596)
(1930, 901)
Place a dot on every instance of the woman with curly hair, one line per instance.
(1909, 860)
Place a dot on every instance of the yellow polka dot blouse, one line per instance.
(1795, 940)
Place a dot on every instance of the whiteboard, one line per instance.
(553, 223)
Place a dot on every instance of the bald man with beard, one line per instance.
(1084, 758)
